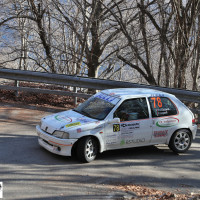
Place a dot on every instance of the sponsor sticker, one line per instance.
(132, 141)
(111, 139)
(167, 122)
(160, 133)
(162, 111)
(116, 127)
(63, 118)
(1, 190)
(129, 126)
(109, 136)
(122, 142)
(140, 140)
(127, 135)
(73, 124)
(79, 130)
(84, 120)
(108, 142)
(111, 99)
(157, 95)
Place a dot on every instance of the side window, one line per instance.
(162, 106)
(132, 109)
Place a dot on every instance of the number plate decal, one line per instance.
(116, 127)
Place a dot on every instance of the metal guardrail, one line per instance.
(83, 82)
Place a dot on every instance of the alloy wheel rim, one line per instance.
(90, 150)
(182, 141)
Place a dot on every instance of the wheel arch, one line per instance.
(169, 138)
(100, 148)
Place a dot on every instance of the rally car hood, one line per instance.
(64, 121)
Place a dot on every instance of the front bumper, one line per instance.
(55, 145)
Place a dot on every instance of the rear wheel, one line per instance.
(87, 149)
(180, 141)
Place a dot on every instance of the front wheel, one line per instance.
(87, 149)
(180, 141)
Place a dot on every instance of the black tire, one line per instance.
(180, 141)
(73, 151)
(87, 149)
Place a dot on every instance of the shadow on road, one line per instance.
(22, 157)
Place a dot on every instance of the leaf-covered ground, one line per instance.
(145, 193)
(37, 99)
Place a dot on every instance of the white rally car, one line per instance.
(119, 118)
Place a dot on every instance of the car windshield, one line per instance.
(98, 106)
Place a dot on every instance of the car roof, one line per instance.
(124, 92)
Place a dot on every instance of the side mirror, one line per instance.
(113, 121)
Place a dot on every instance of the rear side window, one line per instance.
(162, 106)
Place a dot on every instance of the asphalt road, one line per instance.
(30, 172)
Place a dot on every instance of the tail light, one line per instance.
(194, 121)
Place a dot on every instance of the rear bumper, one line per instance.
(194, 131)
(55, 145)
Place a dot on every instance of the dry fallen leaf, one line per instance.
(143, 192)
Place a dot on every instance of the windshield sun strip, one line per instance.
(106, 97)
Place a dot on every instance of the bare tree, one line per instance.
(136, 53)
(178, 37)
(93, 31)
(154, 42)
(160, 40)
(38, 13)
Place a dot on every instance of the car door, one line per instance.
(164, 116)
(135, 126)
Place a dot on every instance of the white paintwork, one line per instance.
(142, 132)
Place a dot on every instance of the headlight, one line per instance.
(41, 121)
(61, 134)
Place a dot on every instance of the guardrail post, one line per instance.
(75, 98)
(17, 85)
